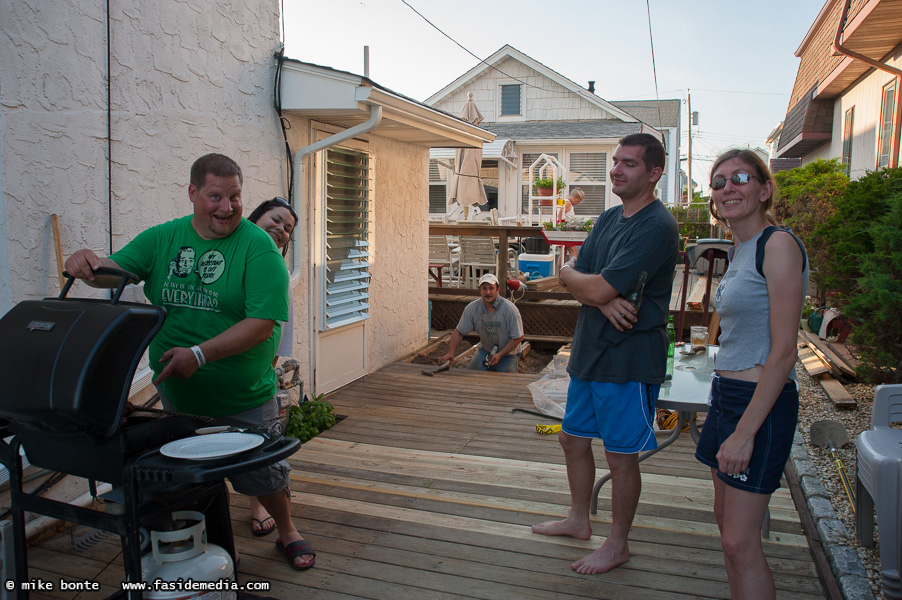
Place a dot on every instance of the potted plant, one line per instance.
(544, 186)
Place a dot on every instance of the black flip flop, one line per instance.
(296, 549)
(263, 530)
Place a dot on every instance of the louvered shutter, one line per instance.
(347, 276)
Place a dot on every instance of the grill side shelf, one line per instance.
(154, 467)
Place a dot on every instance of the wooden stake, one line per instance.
(58, 246)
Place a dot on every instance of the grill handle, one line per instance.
(125, 275)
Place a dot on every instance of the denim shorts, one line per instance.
(265, 480)
(729, 399)
(620, 414)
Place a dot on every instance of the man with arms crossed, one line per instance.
(619, 355)
(224, 286)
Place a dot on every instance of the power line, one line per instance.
(741, 92)
(471, 54)
(654, 70)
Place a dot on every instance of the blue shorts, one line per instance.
(729, 399)
(620, 414)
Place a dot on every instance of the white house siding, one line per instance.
(867, 99)
(398, 323)
(543, 99)
(187, 78)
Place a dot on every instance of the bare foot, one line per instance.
(602, 560)
(580, 531)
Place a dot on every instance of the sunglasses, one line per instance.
(737, 179)
(281, 200)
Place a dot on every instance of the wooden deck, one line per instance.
(428, 488)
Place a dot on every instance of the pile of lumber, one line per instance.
(831, 364)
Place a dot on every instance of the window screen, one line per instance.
(847, 140)
(886, 125)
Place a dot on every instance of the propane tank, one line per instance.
(182, 555)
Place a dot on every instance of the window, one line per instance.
(588, 170)
(347, 268)
(885, 125)
(510, 100)
(438, 187)
(847, 140)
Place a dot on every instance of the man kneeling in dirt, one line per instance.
(500, 329)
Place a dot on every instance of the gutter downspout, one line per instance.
(897, 120)
(300, 172)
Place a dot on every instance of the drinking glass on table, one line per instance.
(698, 336)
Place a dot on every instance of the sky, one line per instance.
(734, 61)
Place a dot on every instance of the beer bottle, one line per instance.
(635, 297)
(671, 335)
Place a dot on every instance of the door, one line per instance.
(341, 268)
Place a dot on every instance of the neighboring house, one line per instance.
(532, 109)
(199, 76)
(778, 164)
(844, 102)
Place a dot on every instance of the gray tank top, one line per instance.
(743, 305)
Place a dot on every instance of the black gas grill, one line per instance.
(64, 396)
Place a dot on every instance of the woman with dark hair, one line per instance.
(278, 219)
(754, 397)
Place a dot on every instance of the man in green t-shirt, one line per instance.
(225, 289)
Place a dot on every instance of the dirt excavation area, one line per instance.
(533, 361)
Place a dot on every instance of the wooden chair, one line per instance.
(477, 256)
(439, 257)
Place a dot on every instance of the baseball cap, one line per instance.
(488, 278)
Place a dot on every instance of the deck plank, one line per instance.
(428, 487)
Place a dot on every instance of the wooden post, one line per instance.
(58, 247)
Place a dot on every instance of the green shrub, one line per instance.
(693, 220)
(806, 197)
(845, 234)
(877, 304)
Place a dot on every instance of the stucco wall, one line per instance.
(187, 78)
(398, 323)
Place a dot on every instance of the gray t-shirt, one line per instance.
(620, 249)
(495, 328)
(743, 304)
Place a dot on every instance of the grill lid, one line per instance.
(71, 361)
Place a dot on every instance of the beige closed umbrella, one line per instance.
(466, 187)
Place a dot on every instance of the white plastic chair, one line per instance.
(879, 485)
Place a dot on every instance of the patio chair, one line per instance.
(439, 257)
(879, 485)
(477, 256)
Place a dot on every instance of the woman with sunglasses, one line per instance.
(754, 399)
(278, 219)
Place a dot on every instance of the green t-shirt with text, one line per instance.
(206, 287)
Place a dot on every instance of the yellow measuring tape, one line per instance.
(547, 429)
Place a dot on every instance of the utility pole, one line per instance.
(689, 160)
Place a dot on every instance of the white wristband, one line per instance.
(566, 264)
(199, 355)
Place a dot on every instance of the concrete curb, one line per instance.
(845, 563)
